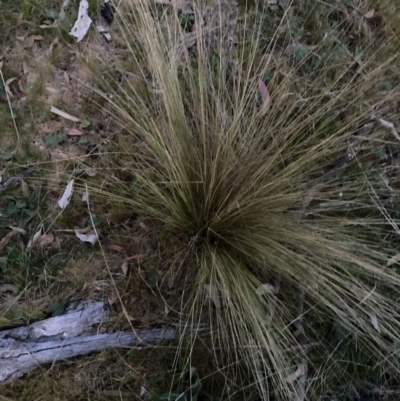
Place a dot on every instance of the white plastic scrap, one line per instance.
(83, 22)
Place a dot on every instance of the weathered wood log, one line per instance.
(72, 334)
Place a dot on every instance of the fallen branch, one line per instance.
(72, 334)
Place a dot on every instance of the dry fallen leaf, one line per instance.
(62, 13)
(28, 81)
(66, 197)
(44, 26)
(124, 268)
(374, 321)
(390, 125)
(112, 297)
(265, 97)
(30, 40)
(73, 131)
(183, 5)
(51, 90)
(369, 14)
(57, 243)
(265, 289)
(139, 256)
(212, 293)
(18, 229)
(393, 260)
(65, 115)
(54, 43)
(116, 248)
(7, 87)
(104, 31)
(25, 68)
(143, 391)
(26, 193)
(34, 240)
(8, 288)
(91, 172)
(85, 196)
(5, 240)
(66, 77)
(144, 226)
(91, 236)
(294, 376)
(45, 241)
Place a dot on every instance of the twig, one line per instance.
(301, 391)
(8, 100)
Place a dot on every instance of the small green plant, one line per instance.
(55, 139)
(85, 124)
(21, 208)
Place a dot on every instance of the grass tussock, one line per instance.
(261, 203)
(254, 146)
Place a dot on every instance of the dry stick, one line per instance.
(301, 392)
(8, 100)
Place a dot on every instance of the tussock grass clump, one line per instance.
(265, 205)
